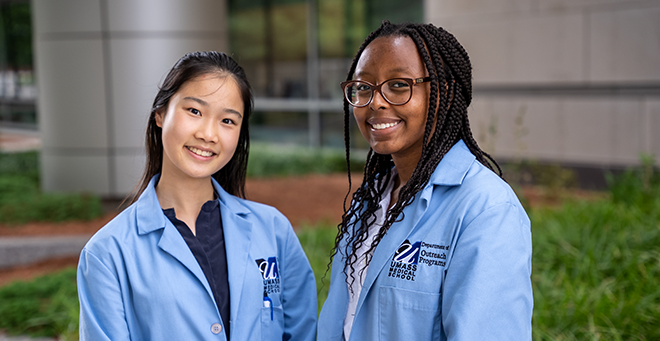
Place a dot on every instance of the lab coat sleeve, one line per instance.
(102, 314)
(298, 292)
(487, 293)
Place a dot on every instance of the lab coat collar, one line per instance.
(236, 227)
(148, 204)
(453, 167)
(450, 171)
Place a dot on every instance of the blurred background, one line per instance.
(566, 98)
(561, 82)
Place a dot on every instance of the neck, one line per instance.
(186, 197)
(405, 165)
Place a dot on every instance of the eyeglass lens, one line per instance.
(395, 91)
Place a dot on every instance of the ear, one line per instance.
(158, 116)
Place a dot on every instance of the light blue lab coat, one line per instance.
(456, 268)
(138, 280)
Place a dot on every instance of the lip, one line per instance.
(200, 157)
(383, 125)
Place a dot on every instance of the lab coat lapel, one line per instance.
(397, 233)
(150, 218)
(238, 233)
(173, 243)
(450, 172)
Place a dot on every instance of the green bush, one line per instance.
(596, 265)
(318, 241)
(595, 272)
(639, 187)
(46, 306)
(25, 164)
(21, 200)
(277, 160)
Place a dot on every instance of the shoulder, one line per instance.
(266, 221)
(253, 210)
(482, 182)
(472, 188)
(116, 235)
(485, 191)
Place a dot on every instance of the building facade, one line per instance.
(563, 81)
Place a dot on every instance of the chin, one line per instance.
(382, 151)
(200, 175)
(379, 148)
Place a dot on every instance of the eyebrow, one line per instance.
(206, 104)
(398, 69)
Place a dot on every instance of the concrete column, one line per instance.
(98, 64)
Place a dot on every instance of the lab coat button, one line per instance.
(216, 328)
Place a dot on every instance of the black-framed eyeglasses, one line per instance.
(396, 91)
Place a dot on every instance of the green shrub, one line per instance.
(17, 209)
(277, 160)
(25, 164)
(596, 272)
(21, 200)
(596, 265)
(318, 241)
(639, 187)
(46, 306)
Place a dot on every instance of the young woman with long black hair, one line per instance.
(190, 258)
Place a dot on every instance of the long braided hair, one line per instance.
(451, 76)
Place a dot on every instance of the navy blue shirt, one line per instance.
(208, 247)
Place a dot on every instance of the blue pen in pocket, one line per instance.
(268, 303)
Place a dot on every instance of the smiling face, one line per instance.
(201, 126)
(393, 129)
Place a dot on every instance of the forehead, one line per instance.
(215, 90)
(391, 56)
(212, 86)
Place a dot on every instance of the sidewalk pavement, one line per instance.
(14, 140)
(15, 251)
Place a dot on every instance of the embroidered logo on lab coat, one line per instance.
(404, 262)
(270, 273)
(433, 254)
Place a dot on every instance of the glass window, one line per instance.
(17, 87)
(269, 39)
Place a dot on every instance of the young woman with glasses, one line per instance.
(435, 245)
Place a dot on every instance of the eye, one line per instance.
(228, 121)
(361, 87)
(195, 111)
(398, 84)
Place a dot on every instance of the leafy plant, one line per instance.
(21, 200)
(596, 265)
(638, 187)
(268, 160)
(318, 241)
(24, 164)
(46, 306)
(596, 271)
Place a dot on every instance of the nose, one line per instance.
(378, 101)
(207, 131)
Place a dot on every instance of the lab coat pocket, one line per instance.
(272, 323)
(408, 314)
